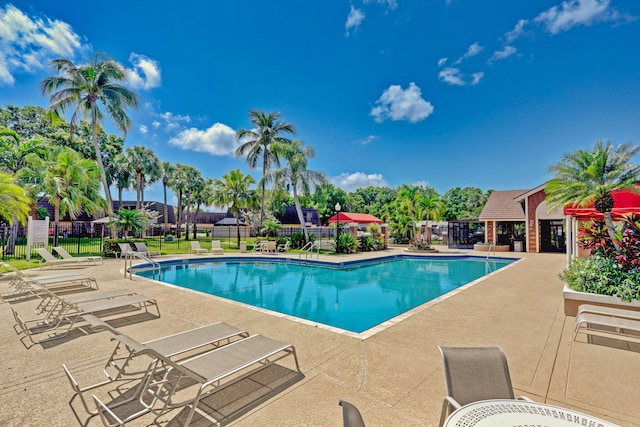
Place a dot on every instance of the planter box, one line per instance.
(422, 251)
(485, 248)
(573, 299)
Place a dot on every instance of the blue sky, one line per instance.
(449, 93)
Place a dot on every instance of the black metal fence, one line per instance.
(78, 239)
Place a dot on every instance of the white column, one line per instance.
(569, 238)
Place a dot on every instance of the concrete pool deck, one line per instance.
(394, 376)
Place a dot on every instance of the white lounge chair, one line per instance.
(608, 322)
(47, 258)
(91, 259)
(142, 248)
(216, 249)
(70, 313)
(172, 346)
(204, 374)
(196, 249)
(284, 247)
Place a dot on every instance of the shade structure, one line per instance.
(359, 218)
(624, 202)
(105, 220)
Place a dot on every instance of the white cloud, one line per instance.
(442, 61)
(369, 139)
(504, 53)
(172, 122)
(398, 104)
(472, 50)
(143, 129)
(451, 76)
(28, 44)
(352, 181)
(476, 77)
(145, 73)
(573, 13)
(219, 140)
(391, 3)
(355, 18)
(517, 31)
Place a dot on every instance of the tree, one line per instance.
(297, 156)
(144, 162)
(178, 183)
(124, 179)
(82, 89)
(256, 144)
(590, 176)
(408, 200)
(233, 191)
(130, 220)
(14, 202)
(166, 173)
(14, 149)
(464, 203)
(68, 180)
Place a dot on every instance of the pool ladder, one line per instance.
(308, 249)
(491, 245)
(128, 258)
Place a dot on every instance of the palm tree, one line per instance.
(590, 176)
(256, 144)
(408, 199)
(178, 183)
(14, 202)
(123, 176)
(166, 173)
(144, 162)
(14, 149)
(130, 220)
(429, 207)
(297, 156)
(82, 89)
(70, 182)
(195, 184)
(233, 191)
(201, 196)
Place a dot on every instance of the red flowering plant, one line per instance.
(629, 237)
(594, 237)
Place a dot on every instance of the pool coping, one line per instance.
(358, 335)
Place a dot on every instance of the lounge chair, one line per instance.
(258, 246)
(206, 372)
(172, 346)
(284, 247)
(608, 311)
(350, 415)
(216, 249)
(21, 280)
(142, 248)
(92, 259)
(473, 374)
(196, 249)
(609, 322)
(47, 258)
(70, 313)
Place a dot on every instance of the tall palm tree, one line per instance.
(297, 155)
(144, 162)
(124, 178)
(81, 89)
(233, 191)
(429, 207)
(166, 173)
(68, 180)
(256, 144)
(408, 199)
(590, 176)
(14, 202)
(178, 183)
(201, 196)
(195, 183)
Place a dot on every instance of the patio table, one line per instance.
(497, 413)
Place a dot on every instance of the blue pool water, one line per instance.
(354, 297)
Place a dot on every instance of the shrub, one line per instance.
(603, 276)
(297, 239)
(419, 244)
(111, 249)
(346, 243)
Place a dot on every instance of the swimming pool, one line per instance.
(354, 296)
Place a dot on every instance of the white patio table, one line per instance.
(520, 413)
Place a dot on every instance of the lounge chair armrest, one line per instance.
(103, 410)
(525, 398)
